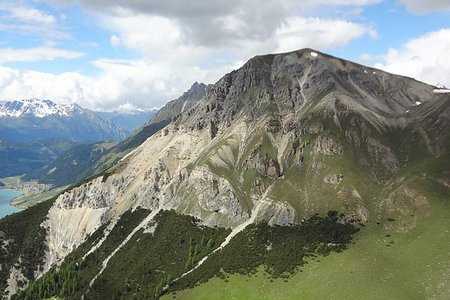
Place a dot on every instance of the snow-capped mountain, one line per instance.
(35, 119)
(37, 108)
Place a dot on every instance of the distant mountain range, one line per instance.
(130, 120)
(36, 108)
(61, 144)
(34, 120)
(34, 133)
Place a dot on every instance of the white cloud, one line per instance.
(20, 19)
(219, 23)
(365, 57)
(181, 42)
(171, 62)
(139, 82)
(426, 58)
(31, 15)
(318, 33)
(36, 54)
(165, 39)
(426, 6)
(148, 34)
(128, 108)
(115, 41)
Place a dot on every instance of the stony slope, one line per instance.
(282, 138)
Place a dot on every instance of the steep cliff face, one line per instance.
(282, 138)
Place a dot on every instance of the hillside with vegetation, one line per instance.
(295, 171)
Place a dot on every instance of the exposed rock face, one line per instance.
(278, 213)
(273, 126)
(315, 128)
(382, 155)
(355, 209)
(172, 109)
(403, 207)
(264, 164)
(15, 276)
(273, 169)
(67, 228)
(216, 194)
(333, 178)
(326, 146)
(93, 194)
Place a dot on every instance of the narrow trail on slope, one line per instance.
(124, 242)
(233, 233)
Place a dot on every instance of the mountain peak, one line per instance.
(37, 108)
(300, 83)
(194, 91)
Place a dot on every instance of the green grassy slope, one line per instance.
(381, 264)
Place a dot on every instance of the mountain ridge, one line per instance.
(282, 139)
(37, 108)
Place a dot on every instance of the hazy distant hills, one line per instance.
(130, 121)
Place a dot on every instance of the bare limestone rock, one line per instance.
(355, 209)
(326, 146)
(215, 194)
(277, 213)
(264, 164)
(333, 178)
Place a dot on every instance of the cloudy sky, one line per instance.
(121, 54)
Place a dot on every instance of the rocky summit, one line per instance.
(285, 138)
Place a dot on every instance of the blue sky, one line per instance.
(117, 54)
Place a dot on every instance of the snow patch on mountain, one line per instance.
(441, 91)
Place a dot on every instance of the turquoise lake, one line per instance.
(6, 196)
